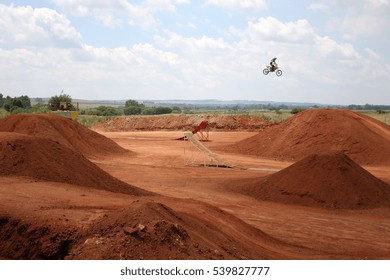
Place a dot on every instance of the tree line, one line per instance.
(368, 107)
(131, 107)
(13, 104)
(22, 104)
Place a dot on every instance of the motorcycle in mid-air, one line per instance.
(268, 69)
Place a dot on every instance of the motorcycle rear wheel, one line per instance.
(266, 71)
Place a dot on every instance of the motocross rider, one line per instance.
(273, 64)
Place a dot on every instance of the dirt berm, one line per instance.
(362, 138)
(330, 180)
(63, 130)
(183, 122)
(47, 160)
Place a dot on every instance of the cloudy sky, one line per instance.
(335, 51)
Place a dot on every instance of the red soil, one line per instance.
(152, 230)
(33, 240)
(63, 130)
(365, 140)
(41, 219)
(183, 122)
(144, 229)
(45, 159)
(330, 180)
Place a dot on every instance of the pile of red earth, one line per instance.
(330, 180)
(364, 139)
(63, 130)
(145, 229)
(48, 160)
(151, 230)
(183, 122)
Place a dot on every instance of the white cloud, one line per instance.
(328, 47)
(372, 54)
(306, 57)
(318, 7)
(201, 60)
(159, 56)
(239, 4)
(201, 44)
(275, 30)
(357, 18)
(113, 13)
(26, 26)
(45, 51)
(270, 31)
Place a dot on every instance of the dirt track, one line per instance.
(196, 212)
(330, 233)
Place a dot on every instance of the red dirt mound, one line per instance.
(144, 229)
(365, 140)
(44, 159)
(30, 241)
(330, 180)
(183, 122)
(152, 230)
(63, 130)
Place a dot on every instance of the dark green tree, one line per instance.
(132, 110)
(13, 103)
(107, 111)
(133, 107)
(157, 111)
(133, 103)
(61, 102)
(296, 111)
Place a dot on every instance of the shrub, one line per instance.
(132, 110)
(297, 110)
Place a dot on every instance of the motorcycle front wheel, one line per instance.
(266, 71)
(278, 72)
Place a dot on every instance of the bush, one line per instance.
(132, 110)
(157, 111)
(89, 121)
(176, 110)
(11, 104)
(55, 103)
(102, 111)
(3, 113)
(297, 110)
(39, 108)
(133, 103)
(108, 111)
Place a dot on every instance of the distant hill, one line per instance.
(121, 102)
(216, 102)
(207, 103)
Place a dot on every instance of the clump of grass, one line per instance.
(380, 115)
(273, 116)
(3, 113)
(90, 120)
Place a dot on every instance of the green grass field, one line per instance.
(90, 120)
(383, 117)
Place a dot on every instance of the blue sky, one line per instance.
(335, 51)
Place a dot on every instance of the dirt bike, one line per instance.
(268, 69)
